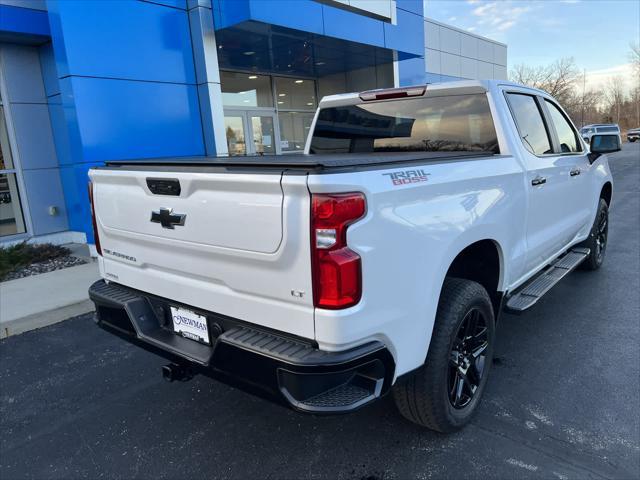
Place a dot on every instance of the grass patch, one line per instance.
(24, 254)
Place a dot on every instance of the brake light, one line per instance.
(390, 93)
(96, 238)
(336, 269)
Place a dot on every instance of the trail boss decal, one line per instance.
(405, 177)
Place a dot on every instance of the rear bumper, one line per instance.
(286, 369)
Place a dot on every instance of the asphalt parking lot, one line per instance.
(562, 400)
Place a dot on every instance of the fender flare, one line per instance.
(465, 240)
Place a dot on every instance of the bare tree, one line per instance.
(617, 101)
(635, 100)
(583, 106)
(614, 95)
(558, 79)
(634, 56)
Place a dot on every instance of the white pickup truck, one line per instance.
(377, 261)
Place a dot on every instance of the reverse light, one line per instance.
(336, 269)
(94, 222)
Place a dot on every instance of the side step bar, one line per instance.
(528, 295)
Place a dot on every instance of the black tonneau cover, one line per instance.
(312, 162)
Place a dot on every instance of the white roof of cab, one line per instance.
(459, 87)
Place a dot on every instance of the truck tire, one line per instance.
(597, 240)
(444, 393)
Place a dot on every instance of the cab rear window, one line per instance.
(447, 123)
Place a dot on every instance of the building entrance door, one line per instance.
(251, 132)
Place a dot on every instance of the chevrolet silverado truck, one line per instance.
(378, 261)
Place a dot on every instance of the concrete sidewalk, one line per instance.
(39, 300)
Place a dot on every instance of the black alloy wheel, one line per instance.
(467, 359)
(598, 238)
(601, 234)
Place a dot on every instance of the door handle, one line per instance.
(538, 181)
(574, 172)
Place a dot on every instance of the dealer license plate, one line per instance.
(190, 325)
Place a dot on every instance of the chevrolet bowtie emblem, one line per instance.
(167, 218)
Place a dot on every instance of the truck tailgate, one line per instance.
(231, 243)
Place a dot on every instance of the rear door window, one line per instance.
(531, 127)
(567, 136)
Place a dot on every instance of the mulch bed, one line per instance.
(44, 267)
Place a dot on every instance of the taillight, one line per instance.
(96, 238)
(336, 269)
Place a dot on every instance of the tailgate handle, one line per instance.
(164, 186)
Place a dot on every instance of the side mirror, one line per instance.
(603, 144)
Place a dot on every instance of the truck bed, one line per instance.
(302, 161)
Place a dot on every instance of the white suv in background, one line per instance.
(588, 131)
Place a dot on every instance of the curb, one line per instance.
(44, 319)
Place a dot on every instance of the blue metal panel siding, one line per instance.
(303, 15)
(44, 190)
(129, 119)
(69, 111)
(414, 6)
(74, 182)
(122, 39)
(60, 130)
(23, 21)
(350, 26)
(230, 12)
(182, 4)
(409, 37)
(49, 73)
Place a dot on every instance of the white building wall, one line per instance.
(452, 52)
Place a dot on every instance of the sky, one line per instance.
(596, 33)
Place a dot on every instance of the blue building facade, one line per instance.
(85, 82)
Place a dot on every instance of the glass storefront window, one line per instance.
(234, 128)
(246, 90)
(11, 219)
(6, 162)
(295, 93)
(263, 135)
(294, 128)
(254, 103)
